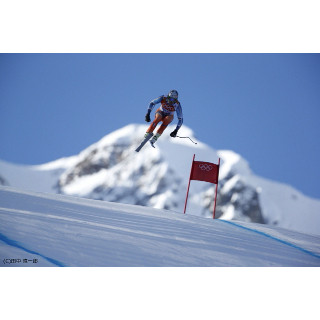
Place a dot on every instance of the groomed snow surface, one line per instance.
(50, 230)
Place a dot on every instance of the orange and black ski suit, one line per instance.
(165, 113)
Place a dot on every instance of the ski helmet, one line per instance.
(173, 94)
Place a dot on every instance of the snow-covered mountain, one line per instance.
(111, 170)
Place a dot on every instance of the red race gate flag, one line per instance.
(204, 171)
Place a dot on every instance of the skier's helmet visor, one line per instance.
(173, 94)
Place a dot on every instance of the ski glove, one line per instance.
(147, 117)
(173, 134)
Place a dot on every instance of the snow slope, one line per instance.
(35, 178)
(56, 230)
(111, 170)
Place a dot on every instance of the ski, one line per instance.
(144, 141)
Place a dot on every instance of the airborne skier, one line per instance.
(164, 114)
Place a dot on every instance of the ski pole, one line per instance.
(187, 138)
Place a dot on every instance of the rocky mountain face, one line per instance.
(241, 199)
(112, 171)
(3, 182)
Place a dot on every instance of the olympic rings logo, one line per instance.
(205, 167)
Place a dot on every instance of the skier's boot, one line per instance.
(148, 135)
(154, 139)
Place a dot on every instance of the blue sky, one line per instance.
(265, 107)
